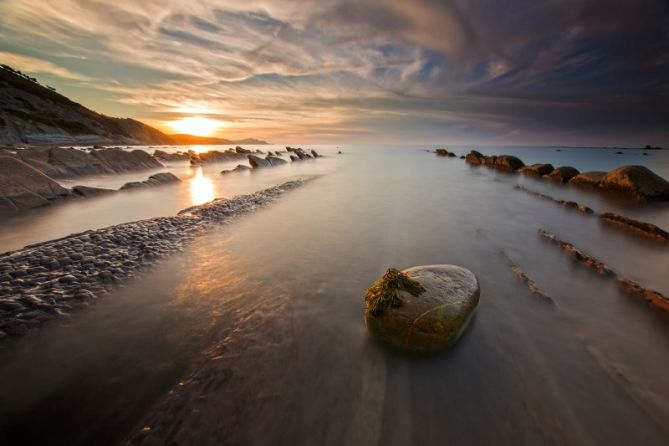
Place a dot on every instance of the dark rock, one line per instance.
(24, 187)
(87, 191)
(537, 169)
(441, 152)
(508, 162)
(592, 179)
(638, 181)
(474, 157)
(562, 174)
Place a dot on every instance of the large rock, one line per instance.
(58, 162)
(423, 309)
(239, 168)
(474, 157)
(256, 162)
(592, 179)
(562, 174)
(120, 160)
(24, 187)
(275, 160)
(537, 169)
(165, 156)
(638, 181)
(508, 162)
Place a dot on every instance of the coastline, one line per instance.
(52, 279)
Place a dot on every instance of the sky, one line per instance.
(486, 72)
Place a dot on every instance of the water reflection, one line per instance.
(201, 188)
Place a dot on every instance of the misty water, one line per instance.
(267, 312)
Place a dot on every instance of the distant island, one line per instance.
(32, 113)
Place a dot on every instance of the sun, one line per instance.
(196, 125)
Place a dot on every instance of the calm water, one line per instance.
(268, 312)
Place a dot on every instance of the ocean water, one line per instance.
(268, 312)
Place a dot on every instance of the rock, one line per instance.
(315, 154)
(157, 179)
(422, 309)
(474, 157)
(638, 181)
(164, 156)
(87, 191)
(451, 155)
(562, 174)
(294, 158)
(537, 169)
(275, 161)
(592, 179)
(508, 162)
(24, 187)
(256, 162)
(120, 160)
(239, 168)
(441, 152)
(238, 149)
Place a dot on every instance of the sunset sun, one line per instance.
(196, 125)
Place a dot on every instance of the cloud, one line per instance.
(32, 65)
(481, 69)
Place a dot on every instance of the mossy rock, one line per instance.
(423, 309)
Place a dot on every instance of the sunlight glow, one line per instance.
(201, 188)
(196, 125)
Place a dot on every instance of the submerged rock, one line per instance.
(422, 309)
(154, 180)
(638, 181)
(508, 162)
(239, 168)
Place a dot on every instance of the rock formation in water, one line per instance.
(591, 179)
(24, 187)
(562, 174)
(157, 179)
(638, 181)
(422, 309)
(537, 169)
(639, 227)
(54, 278)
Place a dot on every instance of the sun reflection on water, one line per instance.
(201, 188)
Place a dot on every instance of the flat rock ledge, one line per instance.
(423, 309)
(54, 278)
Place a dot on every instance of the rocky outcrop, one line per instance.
(89, 192)
(527, 281)
(239, 168)
(562, 174)
(503, 162)
(566, 203)
(154, 180)
(299, 154)
(577, 254)
(55, 278)
(120, 160)
(590, 179)
(639, 227)
(161, 155)
(256, 162)
(24, 187)
(537, 169)
(422, 309)
(638, 181)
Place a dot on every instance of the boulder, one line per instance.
(537, 169)
(508, 162)
(638, 181)
(592, 179)
(88, 192)
(474, 157)
(423, 309)
(294, 158)
(451, 155)
(275, 160)
(256, 162)
(314, 153)
(562, 174)
(24, 187)
(441, 152)
(239, 149)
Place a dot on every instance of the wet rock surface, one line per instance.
(157, 179)
(638, 181)
(429, 318)
(53, 279)
(640, 227)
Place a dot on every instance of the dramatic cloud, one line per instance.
(549, 71)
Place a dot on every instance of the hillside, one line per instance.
(35, 114)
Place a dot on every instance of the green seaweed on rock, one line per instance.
(385, 291)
